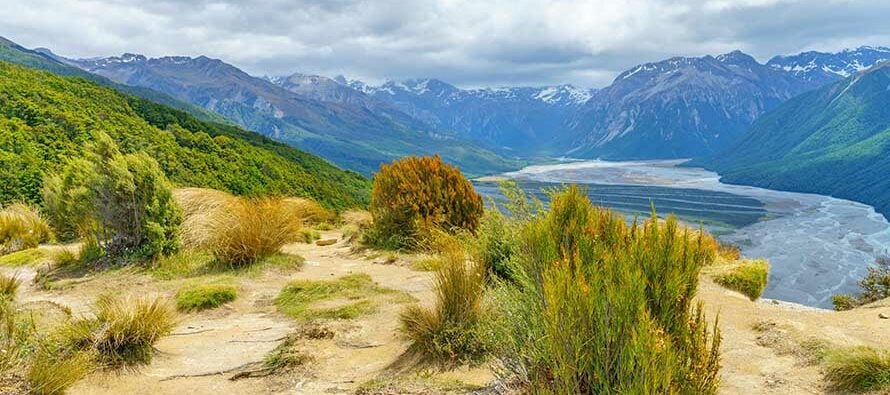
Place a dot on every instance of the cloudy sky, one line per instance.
(470, 43)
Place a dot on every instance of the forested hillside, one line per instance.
(835, 140)
(46, 119)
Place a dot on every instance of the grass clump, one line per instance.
(21, 227)
(858, 369)
(50, 373)
(309, 236)
(749, 278)
(203, 297)
(9, 285)
(249, 230)
(450, 332)
(875, 286)
(414, 195)
(599, 306)
(123, 330)
(355, 291)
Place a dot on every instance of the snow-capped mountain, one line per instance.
(824, 68)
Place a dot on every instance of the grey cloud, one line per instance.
(468, 43)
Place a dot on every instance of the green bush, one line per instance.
(203, 297)
(875, 286)
(858, 369)
(21, 228)
(749, 278)
(449, 333)
(414, 195)
(597, 306)
(127, 206)
(495, 243)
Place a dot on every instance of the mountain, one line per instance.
(46, 119)
(824, 68)
(44, 59)
(834, 141)
(677, 108)
(517, 120)
(352, 135)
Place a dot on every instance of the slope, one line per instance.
(46, 119)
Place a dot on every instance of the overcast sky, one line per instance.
(468, 43)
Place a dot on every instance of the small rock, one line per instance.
(884, 316)
(326, 242)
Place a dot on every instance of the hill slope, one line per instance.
(45, 119)
(835, 141)
(353, 136)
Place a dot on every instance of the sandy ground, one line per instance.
(206, 349)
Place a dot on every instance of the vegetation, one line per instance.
(626, 292)
(748, 277)
(354, 291)
(51, 374)
(9, 285)
(496, 243)
(21, 258)
(450, 332)
(204, 297)
(248, 230)
(875, 286)
(122, 202)
(46, 120)
(414, 195)
(858, 369)
(21, 227)
(123, 330)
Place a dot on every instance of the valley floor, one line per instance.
(765, 344)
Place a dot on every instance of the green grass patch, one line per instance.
(22, 258)
(299, 298)
(423, 382)
(196, 263)
(749, 278)
(858, 369)
(203, 297)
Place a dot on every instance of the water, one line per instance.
(817, 245)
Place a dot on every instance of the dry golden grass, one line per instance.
(310, 212)
(248, 230)
(21, 227)
(9, 286)
(199, 208)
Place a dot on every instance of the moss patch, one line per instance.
(749, 278)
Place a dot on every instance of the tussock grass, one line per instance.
(21, 227)
(51, 373)
(66, 258)
(298, 298)
(203, 297)
(428, 264)
(355, 223)
(199, 207)
(310, 212)
(749, 277)
(858, 369)
(309, 236)
(9, 285)
(123, 330)
(449, 333)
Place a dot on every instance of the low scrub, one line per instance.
(123, 330)
(413, 196)
(355, 291)
(21, 227)
(204, 297)
(874, 286)
(858, 369)
(450, 332)
(599, 306)
(749, 277)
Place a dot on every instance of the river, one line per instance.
(817, 245)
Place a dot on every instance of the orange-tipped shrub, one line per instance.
(417, 194)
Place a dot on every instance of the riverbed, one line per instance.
(817, 245)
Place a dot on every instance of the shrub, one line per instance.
(125, 205)
(875, 286)
(749, 278)
(21, 227)
(858, 369)
(449, 333)
(203, 297)
(414, 195)
(9, 286)
(495, 243)
(597, 306)
(248, 230)
(123, 330)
